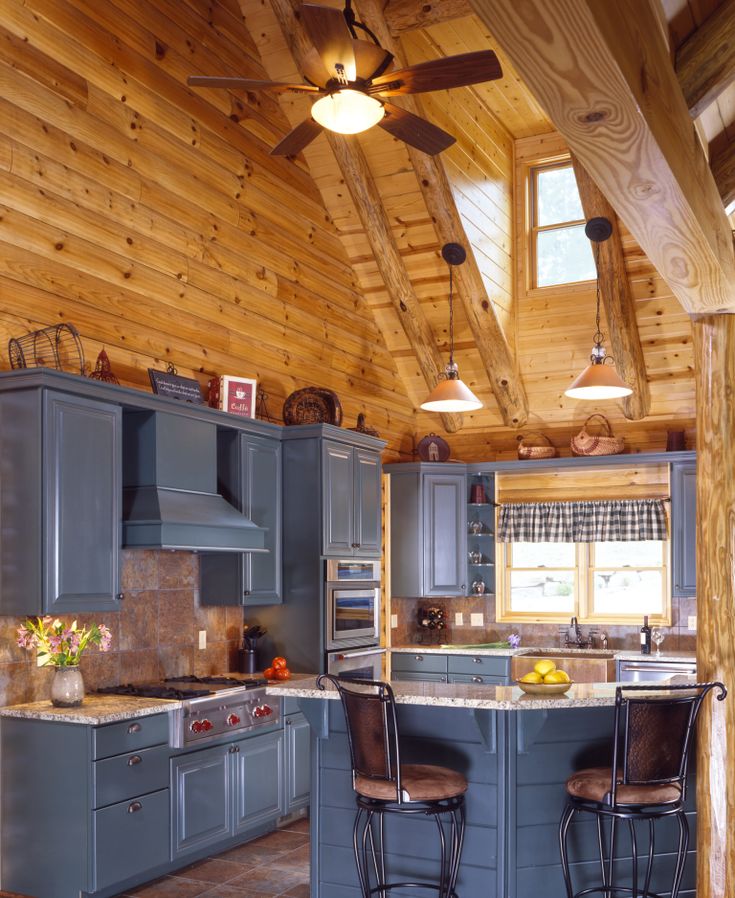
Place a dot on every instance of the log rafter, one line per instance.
(361, 184)
(408, 15)
(617, 299)
(490, 341)
(705, 62)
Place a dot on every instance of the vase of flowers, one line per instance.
(61, 647)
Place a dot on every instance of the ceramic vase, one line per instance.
(67, 687)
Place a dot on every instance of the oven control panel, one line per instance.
(206, 719)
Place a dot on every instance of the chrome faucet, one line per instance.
(574, 634)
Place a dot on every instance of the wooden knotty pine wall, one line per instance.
(152, 217)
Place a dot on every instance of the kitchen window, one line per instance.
(560, 252)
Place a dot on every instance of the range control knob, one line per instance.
(262, 711)
(207, 725)
(232, 720)
(195, 726)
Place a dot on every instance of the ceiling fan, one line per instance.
(352, 79)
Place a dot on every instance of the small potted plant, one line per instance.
(61, 646)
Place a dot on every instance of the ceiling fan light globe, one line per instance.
(598, 381)
(451, 395)
(347, 111)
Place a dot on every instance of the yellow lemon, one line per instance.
(544, 667)
(532, 677)
(556, 676)
(565, 678)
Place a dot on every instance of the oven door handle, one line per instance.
(343, 656)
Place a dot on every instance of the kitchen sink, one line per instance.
(582, 666)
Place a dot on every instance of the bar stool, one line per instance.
(385, 786)
(653, 731)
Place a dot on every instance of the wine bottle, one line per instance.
(645, 637)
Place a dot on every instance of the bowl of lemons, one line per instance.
(545, 679)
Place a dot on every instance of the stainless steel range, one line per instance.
(212, 706)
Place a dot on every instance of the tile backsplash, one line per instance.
(677, 636)
(154, 635)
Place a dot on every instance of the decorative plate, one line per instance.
(544, 688)
(433, 448)
(312, 405)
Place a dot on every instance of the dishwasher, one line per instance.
(648, 671)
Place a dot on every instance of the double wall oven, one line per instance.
(353, 617)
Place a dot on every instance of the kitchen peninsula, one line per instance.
(516, 751)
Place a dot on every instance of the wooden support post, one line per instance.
(617, 298)
(705, 62)
(490, 340)
(408, 15)
(368, 202)
(714, 346)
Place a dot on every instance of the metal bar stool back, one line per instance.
(383, 785)
(653, 730)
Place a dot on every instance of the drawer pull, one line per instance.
(134, 807)
(234, 749)
(477, 679)
(134, 728)
(418, 657)
(477, 660)
(134, 759)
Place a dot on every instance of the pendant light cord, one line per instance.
(451, 319)
(598, 337)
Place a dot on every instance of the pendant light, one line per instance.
(450, 394)
(346, 111)
(599, 380)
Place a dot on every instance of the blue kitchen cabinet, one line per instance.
(62, 506)
(298, 763)
(684, 529)
(351, 501)
(250, 477)
(259, 780)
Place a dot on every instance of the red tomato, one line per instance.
(282, 673)
(268, 673)
(278, 662)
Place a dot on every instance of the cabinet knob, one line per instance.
(120, 596)
(477, 660)
(463, 586)
(477, 679)
(355, 545)
(134, 759)
(234, 749)
(134, 807)
(418, 657)
(134, 728)
(246, 592)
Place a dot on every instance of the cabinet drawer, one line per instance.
(129, 735)
(492, 665)
(478, 679)
(419, 677)
(130, 837)
(128, 775)
(418, 662)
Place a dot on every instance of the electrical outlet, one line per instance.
(393, 621)
(692, 622)
(202, 639)
(477, 619)
(458, 619)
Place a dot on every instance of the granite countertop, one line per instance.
(94, 710)
(463, 695)
(617, 654)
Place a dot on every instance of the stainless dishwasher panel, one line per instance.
(649, 671)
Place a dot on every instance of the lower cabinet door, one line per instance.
(298, 759)
(259, 792)
(201, 799)
(130, 838)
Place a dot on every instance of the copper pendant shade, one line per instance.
(599, 380)
(451, 394)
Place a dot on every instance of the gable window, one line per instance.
(560, 252)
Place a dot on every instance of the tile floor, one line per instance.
(273, 865)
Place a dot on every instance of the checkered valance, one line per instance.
(623, 520)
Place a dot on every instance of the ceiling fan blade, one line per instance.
(415, 131)
(328, 30)
(295, 141)
(439, 74)
(246, 84)
(370, 59)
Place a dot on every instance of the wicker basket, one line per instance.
(312, 405)
(585, 443)
(526, 449)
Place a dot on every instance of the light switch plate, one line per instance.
(393, 621)
(477, 619)
(692, 622)
(202, 639)
(458, 619)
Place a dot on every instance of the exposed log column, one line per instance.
(603, 74)
(714, 346)
(705, 62)
(366, 196)
(617, 299)
(490, 340)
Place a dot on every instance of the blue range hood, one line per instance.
(170, 498)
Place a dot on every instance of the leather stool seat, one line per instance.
(419, 782)
(593, 784)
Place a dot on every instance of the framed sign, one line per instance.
(237, 395)
(170, 385)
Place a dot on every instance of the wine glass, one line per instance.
(657, 637)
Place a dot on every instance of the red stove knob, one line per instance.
(232, 720)
(207, 725)
(262, 711)
(195, 726)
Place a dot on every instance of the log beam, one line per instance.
(408, 15)
(366, 196)
(602, 73)
(705, 62)
(490, 341)
(617, 298)
(714, 347)
(723, 170)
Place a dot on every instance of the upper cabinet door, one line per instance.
(368, 504)
(338, 467)
(444, 535)
(684, 529)
(82, 504)
(263, 500)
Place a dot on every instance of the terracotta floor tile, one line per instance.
(269, 880)
(252, 854)
(281, 840)
(299, 859)
(225, 891)
(302, 890)
(214, 870)
(296, 826)
(171, 887)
